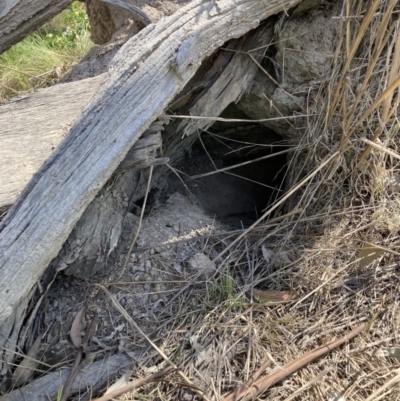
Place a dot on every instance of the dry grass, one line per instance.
(340, 254)
(46, 55)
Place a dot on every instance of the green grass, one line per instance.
(46, 55)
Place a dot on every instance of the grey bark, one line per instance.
(227, 79)
(32, 127)
(18, 18)
(90, 380)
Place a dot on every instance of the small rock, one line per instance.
(201, 262)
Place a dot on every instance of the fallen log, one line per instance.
(89, 380)
(32, 127)
(144, 77)
(228, 77)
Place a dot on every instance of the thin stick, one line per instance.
(388, 384)
(343, 268)
(388, 92)
(236, 120)
(134, 325)
(380, 147)
(140, 223)
(240, 164)
(138, 383)
(308, 384)
(260, 386)
(258, 373)
(181, 180)
(20, 72)
(250, 341)
(228, 234)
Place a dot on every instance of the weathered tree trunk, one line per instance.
(90, 380)
(32, 127)
(228, 76)
(145, 76)
(18, 18)
(53, 110)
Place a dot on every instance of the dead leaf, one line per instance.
(368, 253)
(269, 298)
(76, 328)
(26, 368)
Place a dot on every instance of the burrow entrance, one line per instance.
(252, 177)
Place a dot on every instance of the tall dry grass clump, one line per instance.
(344, 245)
(46, 55)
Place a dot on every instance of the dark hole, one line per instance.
(152, 198)
(240, 194)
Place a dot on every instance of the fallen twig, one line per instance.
(260, 386)
(134, 325)
(138, 383)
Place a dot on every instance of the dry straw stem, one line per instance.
(385, 95)
(380, 41)
(351, 122)
(388, 384)
(380, 147)
(366, 21)
(394, 81)
(277, 84)
(309, 383)
(240, 165)
(19, 71)
(138, 383)
(261, 385)
(133, 324)
(235, 120)
(139, 225)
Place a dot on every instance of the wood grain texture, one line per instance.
(224, 77)
(228, 79)
(98, 230)
(32, 127)
(144, 77)
(18, 18)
